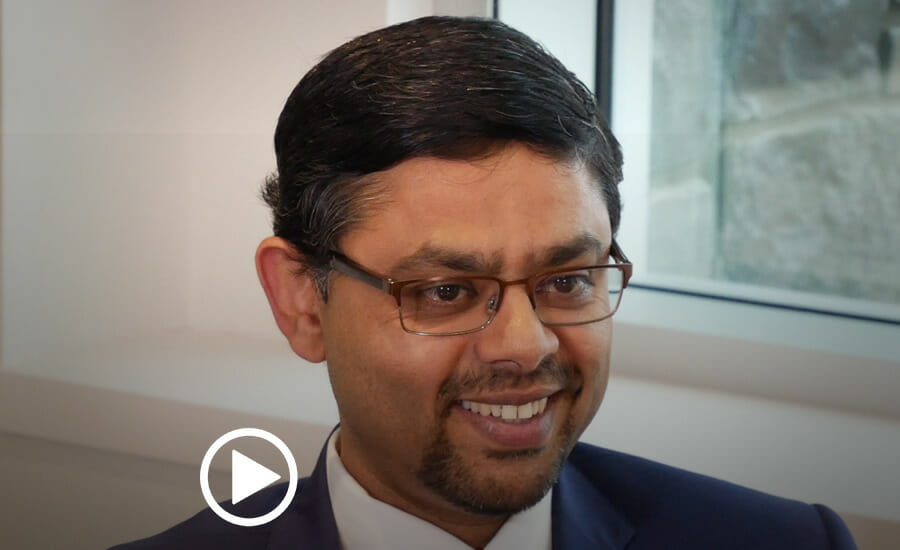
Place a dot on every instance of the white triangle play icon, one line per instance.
(248, 476)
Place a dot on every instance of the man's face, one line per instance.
(405, 433)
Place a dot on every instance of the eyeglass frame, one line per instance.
(344, 265)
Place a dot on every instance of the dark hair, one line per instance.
(451, 88)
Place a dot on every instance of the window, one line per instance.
(761, 174)
(773, 147)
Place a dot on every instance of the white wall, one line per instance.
(136, 135)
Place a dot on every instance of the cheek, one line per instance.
(375, 366)
(588, 348)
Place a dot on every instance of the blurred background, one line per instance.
(760, 342)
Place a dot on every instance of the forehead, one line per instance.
(513, 207)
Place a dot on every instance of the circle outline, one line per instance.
(292, 477)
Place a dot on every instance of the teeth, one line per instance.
(507, 412)
(525, 410)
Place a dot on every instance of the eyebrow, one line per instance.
(431, 257)
(568, 251)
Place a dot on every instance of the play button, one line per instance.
(248, 477)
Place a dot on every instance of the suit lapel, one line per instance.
(583, 517)
(309, 521)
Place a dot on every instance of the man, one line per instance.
(444, 214)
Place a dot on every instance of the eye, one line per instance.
(565, 284)
(444, 292)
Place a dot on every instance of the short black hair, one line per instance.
(444, 87)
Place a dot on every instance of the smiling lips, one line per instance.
(509, 422)
(511, 413)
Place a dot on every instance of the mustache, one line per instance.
(549, 372)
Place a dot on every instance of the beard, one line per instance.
(486, 491)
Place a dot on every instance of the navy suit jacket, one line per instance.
(603, 500)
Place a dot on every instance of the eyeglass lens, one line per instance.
(457, 305)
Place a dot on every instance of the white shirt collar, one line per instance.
(366, 523)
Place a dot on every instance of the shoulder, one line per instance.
(667, 503)
(207, 530)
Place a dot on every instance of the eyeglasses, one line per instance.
(449, 306)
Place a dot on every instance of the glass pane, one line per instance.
(775, 141)
(597, 297)
(445, 306)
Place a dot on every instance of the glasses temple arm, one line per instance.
(345, 266)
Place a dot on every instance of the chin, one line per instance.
(499, 483)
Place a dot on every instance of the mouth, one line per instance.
(511, 422)
(507, 412)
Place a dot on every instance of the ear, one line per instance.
(293, 297)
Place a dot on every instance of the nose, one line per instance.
(516, 339)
